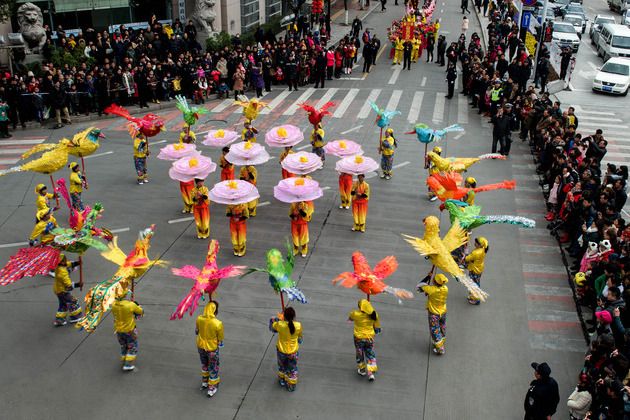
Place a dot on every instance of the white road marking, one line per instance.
(13, 245)
(326, 98)
(306, 146)
(15, 151)
(224, 104)
(263, 204)
(394, 77)
(424, 81)
(111, 152)
(8, 161)
(459, 136)
(120, 230)
(598, 125)
(438, 110)
(371, 175)
(183, 219)
(400, 165)
(605, 119)
(21, 142)
(276, 101)
(462, 110)
(164, 141)
(352, 129)
(366, 108)
(303, 97)
(414, 110)
(345, 103)
(393, 101)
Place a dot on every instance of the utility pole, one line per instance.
(541, 37)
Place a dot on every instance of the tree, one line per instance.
(7, 7)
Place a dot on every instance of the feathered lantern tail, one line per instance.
(188, 304)
(63, 191)
(293, 293)
(492, 156)
(505, 185)
(472, 287)
(118, 110)
(399, 293)
(11, 170)
(512, 220)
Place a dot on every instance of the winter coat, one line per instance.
(579, 403)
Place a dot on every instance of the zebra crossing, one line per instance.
(11, 150)
(614, 128)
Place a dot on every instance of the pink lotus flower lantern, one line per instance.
(233, 192)
(302, 163)
(283, 136)
(356, 165)
(247, 153)
(343, 148)
(220, 138)
(190, 167)
(294, 190)
(177, 151)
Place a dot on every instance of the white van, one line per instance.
(614, 41)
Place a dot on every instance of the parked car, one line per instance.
(577, 9)
(577, 22)
(619, 5)
(565, 35)
(625, 18)
(559, 7)
(613, 41)
(596, 26)
(613, 77)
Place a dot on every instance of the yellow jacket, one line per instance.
(287, 342)
(125, 313)
(317, 137)
(62, 279)
(140, 147)
(200, 192)
(363, 324)
(249, 173)
(387, 146)
(437, 295)
(42, 201)
(360, 188)
(399, 45)
(416, 42)
(475, 261)
(182, 136)
(237, 210)
(295, 208)
(76, 182)
(40, 230)
(209, 329)
(248, 135)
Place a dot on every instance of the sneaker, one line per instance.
(204, 385)
(371, 377)
(433, 198)
(75, 320)
(388, 177)
(212, 390)
(303, 254)
(353, 229)
(140, 182)
(128, 368)
(146, 181)
(382, 176)
(361, 372)
(340, 207)
(347, 207)
(282, 382)
(58, 323)
(236, 253)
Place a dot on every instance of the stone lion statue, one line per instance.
(31, 23)
(204, 15)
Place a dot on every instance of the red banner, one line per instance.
(407, 31)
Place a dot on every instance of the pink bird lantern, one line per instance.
(343, 148)
(188, 168)
(233, 192)
(284, 136)
(247, 153)
(302, 163)
(356, 165)
(220, 138)
(294, 190)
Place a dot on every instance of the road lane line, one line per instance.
(393, 101)
(276, 102)
(394, 77)
(352, 129)
(99, 155)
(367, 108)
(222, 105)
(183, 219)
(120, 230)
(416, 104)
(462, 110)
(13, 245)
(438, 110)
(326, 98)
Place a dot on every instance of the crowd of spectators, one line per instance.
(135, 67)
(585, 202)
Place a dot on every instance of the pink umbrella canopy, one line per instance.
(190, 167)
(233, 192)
(220, 138)
(247, 153)
(283, 136)
(343, 148)
(294, 190)
(356, 165)
(177, 151)
(302, 163)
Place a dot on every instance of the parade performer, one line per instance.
(416, 42)
(69, 306)
(43, 197)
(238, 214)
(436, 307)
(399, 46)
(289, 340)
(438, 251)
(189, 114)
(99, 298)
(360, 193)
(187, 136)
(458, 164)
(317, 141)
(300, 214)
(201, 209)
(287, 151)
(383, 119)
(77, 182)
(44, 225)
(209, 331)
(469, 198)
(125, 314)
(475, 264)
(386, 148)
(207, 280)
(366, 325)
(249, 132)
(345, 188)
(250, 174)
(315, 116)
(150, 125)
(469, 217)
(227, 169)
(251, 108)
(433, 169)
(140, 155)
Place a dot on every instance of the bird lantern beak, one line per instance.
(101, 135)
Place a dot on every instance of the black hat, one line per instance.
(542, 369)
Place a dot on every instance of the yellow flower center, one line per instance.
(358, 159)
(233, 185)
(219, 134)
(248, 145)
(282, 132)
(342, 145)
(178, 146)
(193, 162)
(303, 159)
(299, 181)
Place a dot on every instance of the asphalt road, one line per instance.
(62, 373)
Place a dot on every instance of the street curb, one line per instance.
(483, 30)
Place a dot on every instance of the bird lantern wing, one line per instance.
(182, 104)
(360, 263)
(41, 148)
(187, 271)
(386, 267)
(420, 245)
(455, 237)
(505, 185)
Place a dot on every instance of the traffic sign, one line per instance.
(529, 2)
(525, 20)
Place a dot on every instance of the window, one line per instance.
(250, 14)
(273, 8)
(621, 41)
